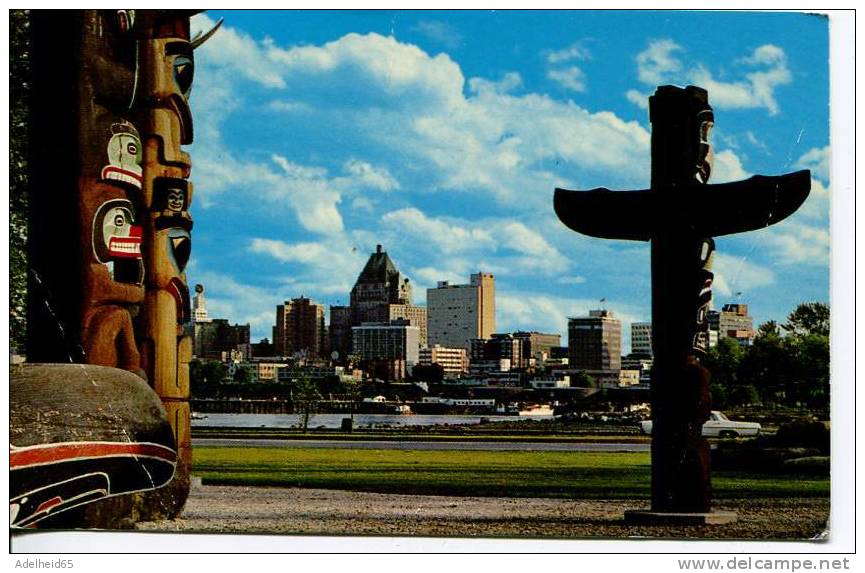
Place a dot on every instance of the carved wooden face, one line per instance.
(117, 241)
(705, 154)
(173, 73)
(124, 156)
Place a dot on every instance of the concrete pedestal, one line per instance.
(648, 517)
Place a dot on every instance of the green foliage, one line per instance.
(768, 328)
(205, 376)
(809, 318)
(791, 370)
(19, 116)
(432, 373)
(582, 380)
(243, 375)
(305, 396)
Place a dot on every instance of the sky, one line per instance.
(441, 135)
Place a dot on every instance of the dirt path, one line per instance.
(229, 509)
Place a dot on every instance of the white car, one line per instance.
(719, 426)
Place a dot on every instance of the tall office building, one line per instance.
(299, 328)
(380, 295)
(456, 314)
(641, 338)
(595, 342)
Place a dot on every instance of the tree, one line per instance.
(205, 377)
(305, 397)
(352, 389)
(582, 380)
(809, 318)
(242, 375)
(433, 373)
(723, 362)
(19, 116)
(768, 328)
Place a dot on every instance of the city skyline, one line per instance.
(320, 135)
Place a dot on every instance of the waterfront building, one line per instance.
(595, 342)
(299, 328)
(457, 314)
(380, 295)
(388, 348)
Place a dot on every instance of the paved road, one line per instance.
(418, 445)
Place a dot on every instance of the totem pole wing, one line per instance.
(607, 214)
(751, 204)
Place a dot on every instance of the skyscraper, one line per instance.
(299, 328)
(595, 342)
(457, 314)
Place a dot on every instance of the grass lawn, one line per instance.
(579, 475)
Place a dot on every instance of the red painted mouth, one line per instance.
(114, 173)
(126, 247)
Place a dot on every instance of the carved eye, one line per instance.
(184, 69)
(119, 220)
(131, 148)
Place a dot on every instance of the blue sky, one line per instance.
(442, 134)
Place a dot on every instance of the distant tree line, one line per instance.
(788, 365)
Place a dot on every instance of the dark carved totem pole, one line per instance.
(109, 242)
(680, 214)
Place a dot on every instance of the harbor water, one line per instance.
(216, 420)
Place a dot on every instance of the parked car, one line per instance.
(719, 426)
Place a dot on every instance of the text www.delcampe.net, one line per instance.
(764, 564)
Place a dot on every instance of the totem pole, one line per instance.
(165, 329)
(680, 214)
(109, 232)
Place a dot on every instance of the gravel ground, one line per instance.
(230, 509)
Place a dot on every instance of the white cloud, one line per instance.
(736, 274)
(448, 237)
(818, 161)
(727, 167)
(657, 62)
(483, 140)
(758, 88)
(518, 310)
(235, 52)
(572, 78)
(575, 280)
(369, 175)
(572, 52)
(637, 98)
(796, 243)
(440, 32)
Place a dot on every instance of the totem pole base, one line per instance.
(648, 517)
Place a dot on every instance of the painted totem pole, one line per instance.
(108, 117)
(165, 323)
(680, 214)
